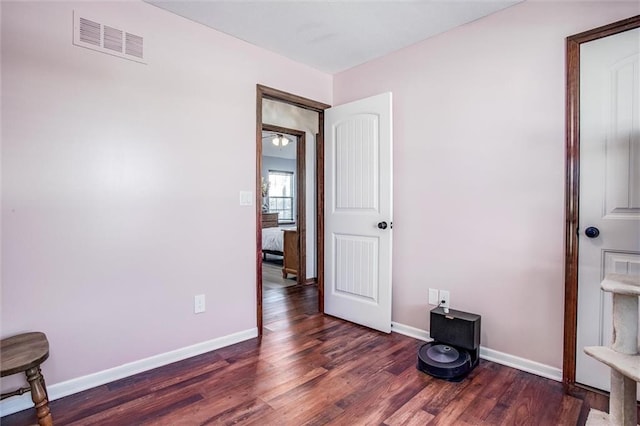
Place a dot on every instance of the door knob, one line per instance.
(592, 232)
(382, 225)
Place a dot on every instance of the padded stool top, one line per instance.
(22, 352)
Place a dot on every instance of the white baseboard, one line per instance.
(407, 330)
(523, 364)
(79, 384)
(488, 354)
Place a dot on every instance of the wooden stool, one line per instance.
(25, 352)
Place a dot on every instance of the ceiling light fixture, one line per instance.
(280, 141)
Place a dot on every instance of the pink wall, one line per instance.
(479, 169)
(121, 181)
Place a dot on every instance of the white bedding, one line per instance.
(272, 238)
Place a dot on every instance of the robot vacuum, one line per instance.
(454, 353)
(444, 361)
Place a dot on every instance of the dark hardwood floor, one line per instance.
(310, 369)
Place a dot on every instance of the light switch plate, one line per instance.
(246, 198)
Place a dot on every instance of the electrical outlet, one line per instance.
(433, 296)
(445, 298)
(198, 304)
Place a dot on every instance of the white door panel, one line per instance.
(609, 187)
(358, 196)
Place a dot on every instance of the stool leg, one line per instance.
(39, 396)
(44, 385)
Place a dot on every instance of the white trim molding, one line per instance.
(523, 364)
(79, 384)
(407, 330)
(488, 354)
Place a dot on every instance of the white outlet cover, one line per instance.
(198, 304)
(433, 296)
(444, 295)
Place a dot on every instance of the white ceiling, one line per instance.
(333, 36)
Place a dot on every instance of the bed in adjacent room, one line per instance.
(273, 240)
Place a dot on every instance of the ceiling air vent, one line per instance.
(90, 33)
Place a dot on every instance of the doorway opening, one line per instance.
(266, 96)
(283, 191)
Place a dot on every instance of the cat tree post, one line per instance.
(622, 357)
(625, 340)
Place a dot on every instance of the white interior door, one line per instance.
(609, 187)
(358, 212)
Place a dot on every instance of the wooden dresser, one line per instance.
(269, 220)
(290, 263)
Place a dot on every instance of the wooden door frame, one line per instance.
(301, 211)
(264, 92)
(572, 187)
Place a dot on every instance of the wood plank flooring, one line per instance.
(272, 274)
(311, 369)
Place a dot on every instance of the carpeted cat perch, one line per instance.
(622, 356)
